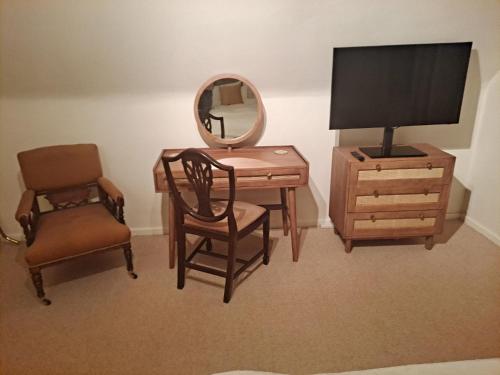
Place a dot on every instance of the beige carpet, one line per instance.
(385, 304)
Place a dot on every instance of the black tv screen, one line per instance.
(398, 85)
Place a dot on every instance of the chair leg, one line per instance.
(265, 239)
(36, 276)
(231, 256)
(127, 251)
(181, 259)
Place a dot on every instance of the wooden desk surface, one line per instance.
(255, 167)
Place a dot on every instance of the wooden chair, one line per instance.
(85, 214)
(224, 220)
(206, 117)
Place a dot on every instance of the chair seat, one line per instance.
(75, 231)
(244, 213)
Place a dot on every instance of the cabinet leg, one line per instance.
(336, 231)
(348, 246)
(429, 242)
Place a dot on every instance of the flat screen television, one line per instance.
(397, 85)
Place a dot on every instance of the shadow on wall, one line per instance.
(458, 202)
(447, 137)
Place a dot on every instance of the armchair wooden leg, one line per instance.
(231, 255)
(181, 259)
(127, 251)
(209, 244)
(266, 239)
(36, 276)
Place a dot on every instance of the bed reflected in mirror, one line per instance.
(228, 110)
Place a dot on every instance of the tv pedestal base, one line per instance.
(396, 152)
(390, 198)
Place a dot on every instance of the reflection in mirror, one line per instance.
(228, 108)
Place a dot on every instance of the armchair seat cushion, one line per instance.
(244, 214)
(75, 231)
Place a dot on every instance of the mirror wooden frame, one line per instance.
(249, 138)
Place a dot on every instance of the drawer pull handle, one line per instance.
(375, 193)
(378, 167)
(429, 166)
(269, 175)
(421, 216)
(426, 192)
(372, 217)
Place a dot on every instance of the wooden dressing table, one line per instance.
(261, 167)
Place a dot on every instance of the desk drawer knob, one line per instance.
(375, 193)
(429, 166)
(426, 192)
(378, 167)
(372, 217)
(269, 175)
(421, 216)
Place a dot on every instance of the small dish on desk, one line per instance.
(280, 152)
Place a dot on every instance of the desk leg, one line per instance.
(284, 211)
(293, 223)
(171, 231)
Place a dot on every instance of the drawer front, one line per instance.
(395, 224)
(400, 174)
(368, 199)
(388, 173)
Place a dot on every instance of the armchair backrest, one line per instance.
(60, 167)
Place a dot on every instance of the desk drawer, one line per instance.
(394, 224)
(261, 181)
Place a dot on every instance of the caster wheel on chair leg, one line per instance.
(133, 275)
(46, 301)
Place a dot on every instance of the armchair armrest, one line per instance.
(111, 190)
(107, 191)
(25, 205)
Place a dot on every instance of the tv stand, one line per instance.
(387, 150)
(389, 197)
(396, 152)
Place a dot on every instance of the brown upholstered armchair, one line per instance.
(85, 209)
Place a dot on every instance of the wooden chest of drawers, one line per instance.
(389, 197)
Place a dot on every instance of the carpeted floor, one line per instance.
(385, 304)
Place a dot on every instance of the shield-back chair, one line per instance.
(225, 220)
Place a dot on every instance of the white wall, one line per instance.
(484, 207)
(124, 73)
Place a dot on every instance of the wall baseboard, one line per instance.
(147, 231)
(474, 224)
(325, 223)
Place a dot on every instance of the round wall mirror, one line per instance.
(229, 111)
